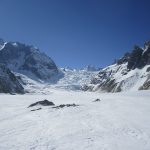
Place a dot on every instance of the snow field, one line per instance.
(118, 122)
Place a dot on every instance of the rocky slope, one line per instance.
(131, 72)
(8, 82)
(28, 60)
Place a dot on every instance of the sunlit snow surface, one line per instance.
(119, 121)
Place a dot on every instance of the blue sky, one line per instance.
(77, 32)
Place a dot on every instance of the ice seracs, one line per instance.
(74, 78)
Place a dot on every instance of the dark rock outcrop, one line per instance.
(97, 100)
(8, 81)
(124, 59)
(65, 105)
(146, 85)
(135, 58)
(138, 58)
(36, 109)
(42, 103)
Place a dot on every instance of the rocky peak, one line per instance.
(135, 58)
(124, 59)
(28, 60)
(130, 71)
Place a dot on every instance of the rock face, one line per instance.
(28, 60)
(146, 85)
(131, 72)
(8, 82)
(65, 105)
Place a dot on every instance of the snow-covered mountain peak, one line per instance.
(90, 68)
(28, 60)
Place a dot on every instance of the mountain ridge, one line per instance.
(29, 66)
(131, 72)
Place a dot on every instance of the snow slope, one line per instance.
(129, 73)
(116, 78)
(118, 122)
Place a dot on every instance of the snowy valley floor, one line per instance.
(118, 122)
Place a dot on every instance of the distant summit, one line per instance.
(90, 68)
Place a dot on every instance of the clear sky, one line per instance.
(77, 32)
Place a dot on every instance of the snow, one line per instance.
(118, 122)
(15, 44)
(2, 46)
(134, 79)
(127, 80)
(74, 79)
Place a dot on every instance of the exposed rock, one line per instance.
(65, 105)
(135, 58)
(124, 59)
(8, 82)
(146, 85)
(148, 69)
(43, 103)
(36, 109)
(97, 100)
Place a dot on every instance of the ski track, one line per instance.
(118, 122)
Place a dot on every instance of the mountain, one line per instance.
(29, 61)
(131, 72)
(9, 82)
(27, 66)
